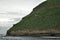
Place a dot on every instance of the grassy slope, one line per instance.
(44, 16)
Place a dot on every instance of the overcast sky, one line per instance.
(11, 11)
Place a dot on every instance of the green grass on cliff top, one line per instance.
(44, 16)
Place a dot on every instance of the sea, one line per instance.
(28, 38)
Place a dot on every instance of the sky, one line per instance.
(12, 11)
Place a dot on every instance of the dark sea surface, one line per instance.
(28, 38)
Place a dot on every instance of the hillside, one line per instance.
(45, 18)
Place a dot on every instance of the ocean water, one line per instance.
(28, 38)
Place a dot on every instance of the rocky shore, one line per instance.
(34, 33)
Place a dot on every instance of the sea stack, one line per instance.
(44, 20)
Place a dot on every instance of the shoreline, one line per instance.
(37, 35)
(33, 33)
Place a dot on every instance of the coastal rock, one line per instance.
(43, 20)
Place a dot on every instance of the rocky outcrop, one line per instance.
(43, 20)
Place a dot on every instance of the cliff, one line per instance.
(43, 20)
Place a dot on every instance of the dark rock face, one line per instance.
(43, 20)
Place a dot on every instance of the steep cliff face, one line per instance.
(45, 18)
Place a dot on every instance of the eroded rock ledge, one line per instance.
(34, 33)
